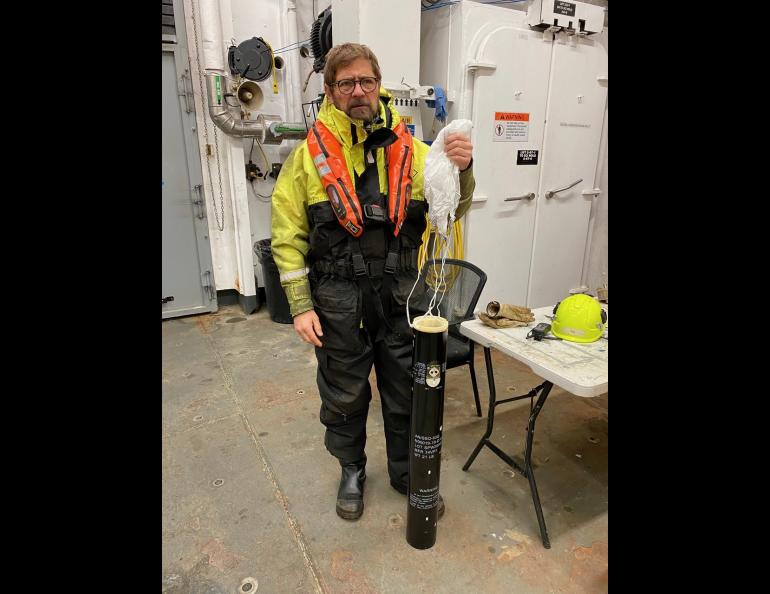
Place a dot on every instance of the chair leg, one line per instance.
(473, 381)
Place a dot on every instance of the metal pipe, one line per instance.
(528, 463)
(491, 414)
(294, 92)
(268, 129)
(211, 36)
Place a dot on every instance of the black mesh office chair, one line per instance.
(457, 298)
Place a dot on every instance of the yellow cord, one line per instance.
(433, 242)
(432, 247)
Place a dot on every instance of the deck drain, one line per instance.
(198, 418)
(218, 482)
(249, 585)
(395, 521)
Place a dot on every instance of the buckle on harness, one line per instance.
(391, 262)
(359, 266)
(375, 212)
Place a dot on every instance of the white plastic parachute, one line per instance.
(442, 191)
(442, 179)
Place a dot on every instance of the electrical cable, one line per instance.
(267, 163)
(307, 80)
(267, 199)
(291, 46)
(261, 197)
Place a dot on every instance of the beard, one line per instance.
(361, 110)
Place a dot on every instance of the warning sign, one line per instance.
(511, 127)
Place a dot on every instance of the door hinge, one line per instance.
(184, 77)
(208, 284)
(166, 299)
(200, 210)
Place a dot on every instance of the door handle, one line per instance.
(550, 193)
(529, 196)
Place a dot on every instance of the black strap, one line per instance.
(344, 269)
(376, 304)
(391, 265)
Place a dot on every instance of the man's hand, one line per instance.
(459, 149)
(308, 326)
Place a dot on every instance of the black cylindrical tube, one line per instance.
(429, 369)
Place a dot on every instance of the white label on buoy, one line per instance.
(434, 375)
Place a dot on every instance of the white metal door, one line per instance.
(576, 101)
(509, 100)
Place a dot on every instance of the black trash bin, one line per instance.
(277, 304)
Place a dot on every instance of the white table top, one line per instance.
(578, 368)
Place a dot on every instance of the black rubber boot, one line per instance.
(441, 506)
(350, 497)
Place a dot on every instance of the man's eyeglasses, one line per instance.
(347, 85)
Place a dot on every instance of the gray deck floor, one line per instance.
(249, 488)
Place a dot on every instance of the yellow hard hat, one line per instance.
(579, 318)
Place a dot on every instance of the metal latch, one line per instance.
(167, 299)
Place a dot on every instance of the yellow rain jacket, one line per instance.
(299, 186)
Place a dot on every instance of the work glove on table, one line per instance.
(501, 322)
(518, 313)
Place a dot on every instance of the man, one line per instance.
(347, 222)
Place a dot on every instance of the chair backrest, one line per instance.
(458, 294)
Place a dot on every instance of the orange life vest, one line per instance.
(330, 163)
